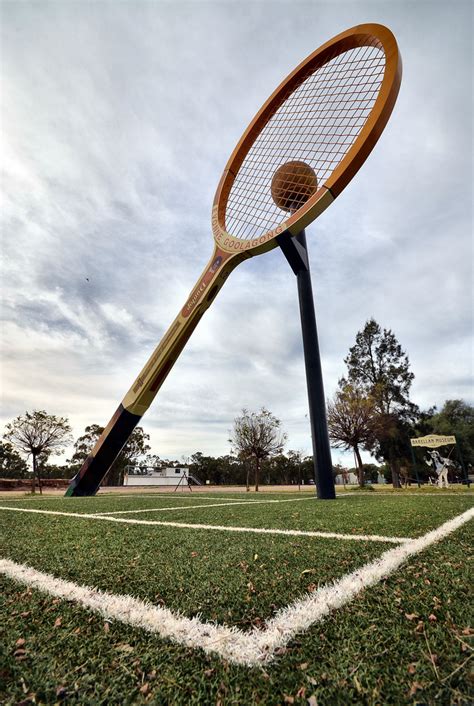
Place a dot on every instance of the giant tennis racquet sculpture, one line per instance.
(297, 155)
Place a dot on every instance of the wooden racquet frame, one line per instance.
(229, 251)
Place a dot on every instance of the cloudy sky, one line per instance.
(117, 119)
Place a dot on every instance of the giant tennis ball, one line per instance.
(292, 185)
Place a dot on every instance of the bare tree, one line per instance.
(38, 433)
(353, 422)
(257, 436)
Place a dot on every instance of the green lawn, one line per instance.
(405, 640)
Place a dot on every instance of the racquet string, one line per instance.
(316, 123)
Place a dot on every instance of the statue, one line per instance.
(441, 466)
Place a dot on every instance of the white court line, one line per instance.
(220, 495)
(219, 528)
(104, 494)
(193, 507)
(252, 648)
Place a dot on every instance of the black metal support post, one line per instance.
(415, 466)
(295, 251)
(461, 461)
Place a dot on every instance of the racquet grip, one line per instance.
(109, 445)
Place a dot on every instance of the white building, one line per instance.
(146, 475)
(349, 479)
(353, 479)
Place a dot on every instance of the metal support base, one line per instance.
(296, 252)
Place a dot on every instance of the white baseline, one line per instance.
(218, 528)
(193, 507)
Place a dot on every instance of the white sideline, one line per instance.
(219, 528)
(193, 507)
(252, 648)
(150, 496)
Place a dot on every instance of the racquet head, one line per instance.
(327, 116)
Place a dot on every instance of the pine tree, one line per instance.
(379, 366)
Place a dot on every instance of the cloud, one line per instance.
(117, 122)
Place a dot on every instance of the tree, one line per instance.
(231, 469)
(135, 448)
(353, 422)
(371, 472)
(52, 470)
(153, 461)
(257, 436)
(295, 461)
(286, 470)
(377, 365)
(279, 470)
(12, 465)
(205, 468)
(39, 434)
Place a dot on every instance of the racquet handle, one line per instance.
(154, 373)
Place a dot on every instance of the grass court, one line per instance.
(235, 598)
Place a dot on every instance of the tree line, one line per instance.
(370, 411)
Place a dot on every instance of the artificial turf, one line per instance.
(406, 640)
(389, 515)
(234, 579)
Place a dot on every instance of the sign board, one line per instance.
(433, 441)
